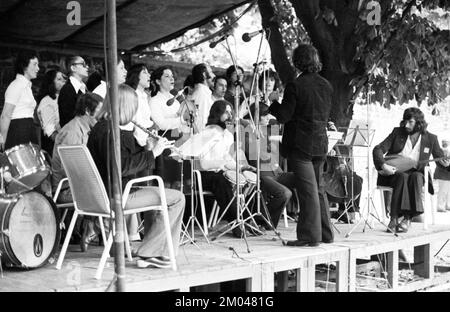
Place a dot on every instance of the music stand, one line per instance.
(361, 135)
(192, 149)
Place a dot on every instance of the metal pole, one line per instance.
(119, 256)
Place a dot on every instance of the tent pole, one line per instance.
(119, 258)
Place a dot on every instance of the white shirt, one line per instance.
(48, 114)
(101, 89)
(20, 95)
(202, 98)
(165, 116)
(142, 117)
(217, 154)
(77, 85)
(410, 151)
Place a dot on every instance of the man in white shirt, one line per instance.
(415, 144)
(73, 88)
(203, 77)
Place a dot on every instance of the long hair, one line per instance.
(23, 60)
(229, 72)
(418, 116)
(217, 110)
(156, 75)
(133, 74)
(306, 59)
(128, 104)
(48, 85)
(270, 74)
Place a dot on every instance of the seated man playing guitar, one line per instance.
(412, 145)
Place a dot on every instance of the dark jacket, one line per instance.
(134, 157)
(395, 143)
(66, 103)
(305, 111)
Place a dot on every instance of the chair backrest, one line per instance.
(86, 185)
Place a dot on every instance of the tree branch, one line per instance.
(278, 52)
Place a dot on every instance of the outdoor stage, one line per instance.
(217, 262)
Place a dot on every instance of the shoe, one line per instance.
(392, 226)
(404, 226)
(328, 241)
(302, 243)
(152, 262)
(88, 237)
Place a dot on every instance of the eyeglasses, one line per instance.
(83, 64)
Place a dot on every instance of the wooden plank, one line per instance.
(302, 280)
(352, 271)
(424, 261)
(342, 278)
(392, 269)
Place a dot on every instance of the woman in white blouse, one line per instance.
(166, 115)
(47, 110)
(16, 122)
(165, 109)
(138, 78)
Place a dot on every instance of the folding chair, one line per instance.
(90, 199)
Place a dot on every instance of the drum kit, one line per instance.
(29, 231)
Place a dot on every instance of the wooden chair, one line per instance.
(90, 199)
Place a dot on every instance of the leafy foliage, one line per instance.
(410, 56)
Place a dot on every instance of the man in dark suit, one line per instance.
(411, 140)
(305, 111)
(73, 88)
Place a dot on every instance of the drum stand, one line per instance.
(190, 237)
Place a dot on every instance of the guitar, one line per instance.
(403, 164)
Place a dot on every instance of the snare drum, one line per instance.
(230, 175)
(29, 234)
(27, 165)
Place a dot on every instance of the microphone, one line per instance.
(246, 37)
(213, 44)
(178, 96)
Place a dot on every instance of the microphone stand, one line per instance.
(241, 205)
(193, 217)
(259, 199)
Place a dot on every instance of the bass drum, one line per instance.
(29, 231)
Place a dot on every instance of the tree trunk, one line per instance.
(278, 52)
(333, 44)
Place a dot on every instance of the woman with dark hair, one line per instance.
(16, 122)
(138, 78)
(47, 110)
(167, 115)
(305, 111)
(232, 77)
(413, 142)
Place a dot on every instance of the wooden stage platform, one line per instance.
(227, 259)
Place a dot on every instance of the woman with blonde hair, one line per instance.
(153, 251)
